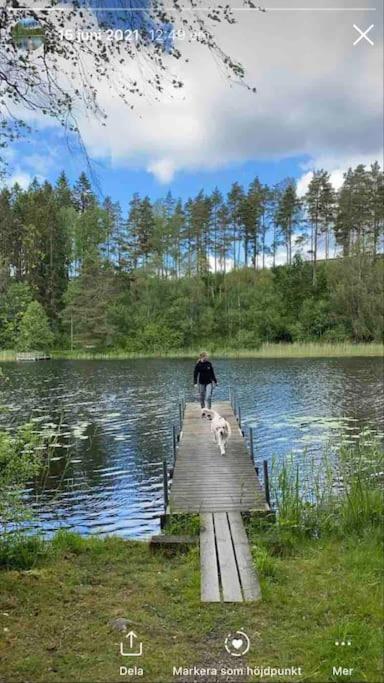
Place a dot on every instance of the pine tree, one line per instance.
(354, 219)
(15, 226)
(376, 204)
(120, 241)
(45, 246)
(145, 228)
(161, 240)
(251, 213)
(224, 237)
(287, 215)
(274, 202)
(187, 236)
(320, 200)
(90, 234)
(266, 218)
(83, 194)
(63, 192)
(344, 214)
(216, 200)
(177, 226)
(7, 235)
(133, 223)
(88, 302)
(197, 235)
(235, 201)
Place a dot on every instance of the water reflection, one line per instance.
(116, 420)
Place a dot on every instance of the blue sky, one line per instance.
(121, 183)
(318, 105)
(47, 151)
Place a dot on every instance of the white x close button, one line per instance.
(363, 34)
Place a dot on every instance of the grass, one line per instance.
(295, 350)
(183, 525)
(320, 568)
(55, 618)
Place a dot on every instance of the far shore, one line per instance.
(295, 350)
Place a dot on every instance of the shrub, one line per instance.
(21, 458)
(34, 330)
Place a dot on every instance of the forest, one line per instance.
(259, 264)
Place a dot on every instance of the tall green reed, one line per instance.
(340, 492)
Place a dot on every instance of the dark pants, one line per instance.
(205, 392)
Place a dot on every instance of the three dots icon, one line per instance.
(342, 643)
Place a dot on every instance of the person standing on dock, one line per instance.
(204, 376)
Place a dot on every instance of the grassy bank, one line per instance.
(56, 617)
(296, 350)
(320, 567)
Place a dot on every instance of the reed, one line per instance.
(296, 350)
(341, 493)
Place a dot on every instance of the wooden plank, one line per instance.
(229, 577)
(248, 577)
(207, 506)
(203, 479)
(209, 577)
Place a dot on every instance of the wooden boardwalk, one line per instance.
(204, 480)
(219, 488)
(32, 356)
(227, 572)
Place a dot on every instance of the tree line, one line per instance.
(76, 272)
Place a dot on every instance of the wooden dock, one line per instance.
(28, 356)
(204, 480)
(219, 488)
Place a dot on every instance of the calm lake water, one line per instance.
(116, 425)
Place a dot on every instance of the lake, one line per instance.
(116, 425)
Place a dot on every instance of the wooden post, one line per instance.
(180, 416)
(239, 416)
(251, 444)
(266, 482)
(174, 441)
(165, 484)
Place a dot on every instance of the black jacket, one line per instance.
(205, 372)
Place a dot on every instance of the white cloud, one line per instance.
(163, 170)
(336, 170)
(303, 183)
(20, 178)
(317, 96)
(337, 178)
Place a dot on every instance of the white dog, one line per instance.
(220, 428)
